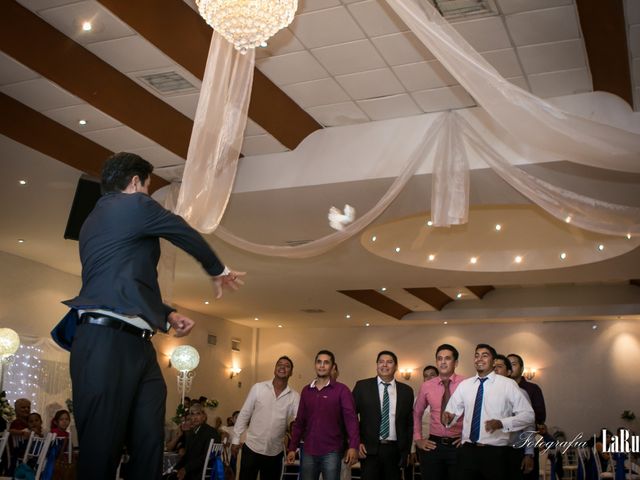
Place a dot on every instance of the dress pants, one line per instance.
(534, 474)
(252, 463)
(119, 400)
(482, 462)
(384, 465)
(440, 463)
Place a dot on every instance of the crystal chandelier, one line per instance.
(247, 23)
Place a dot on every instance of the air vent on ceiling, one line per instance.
(312, 310)
(452, 9)
(168, 83)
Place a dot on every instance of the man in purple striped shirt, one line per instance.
(326, 410)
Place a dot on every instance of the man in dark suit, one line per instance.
(385, 408)
(196, 445)
(118, 389)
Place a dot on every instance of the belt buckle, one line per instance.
(146, 334)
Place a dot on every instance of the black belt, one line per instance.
(104, 321)
(443, 440)
(388, 442)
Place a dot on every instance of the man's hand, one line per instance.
(231, 280)
(527, 464)
(447, 417)
(492, 425)
(291, 457)
(363, 451)
(351, 456)
(181, 324)
(181, 474)
(425, 444)
(235, 449)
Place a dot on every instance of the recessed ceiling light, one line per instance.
(601, 247)
(397, 249)
(628, 236)
(568, 219)
(22, 182)
(431, 257)
(86, 26)
(563, 255)
(255, 319)
(347, 316)
(473, 260)
(279, 326)
(20, 240)
(445, 322)
(498, 227)
(429, 223)
(82, 122)
(374, 238)
(367, 324)
(206, 302)
(383, 289)
(518, 259)
(459, 295)
(594, 327)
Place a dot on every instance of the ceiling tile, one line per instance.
(291, 68)
(634, 40)
(520, 82)
(424, 76)
(446, 98)
(119, 139)
(37, 5)
(40, 94)
(349, 57)
(158, 156)
(390, 107)
(253, 128)
(12, 71)
(376, 17)
(505, 61)
(346, 113)
(567, 82)
(515, 6)
(70, 116)
(140, 54)
(371, 84)
(326, 27)
(635, 65)
(261, 145)
(69, 18)
(185, 104)
(401, 48)
(484, 34)
(544, 26)
(632, 11)
(282, 42)
(316, 92)
(549, 57)
(305, 6)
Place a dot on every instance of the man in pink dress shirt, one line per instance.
(437, 453)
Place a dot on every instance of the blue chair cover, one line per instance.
(217, 466)
(619, 468)
(580, 471)
(50, 462)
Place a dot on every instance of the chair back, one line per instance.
(35, 454)
(214, 457)
(4, 438)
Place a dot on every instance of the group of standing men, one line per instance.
(475, 423)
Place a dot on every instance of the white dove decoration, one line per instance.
(339, 220)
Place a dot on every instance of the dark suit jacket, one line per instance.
(120, 248)
(196, 445)
(368, 407)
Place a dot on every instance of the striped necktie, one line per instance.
(384, 420)
(477, 411)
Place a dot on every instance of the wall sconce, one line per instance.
(234, 371)
(529, 373)
(406, 373)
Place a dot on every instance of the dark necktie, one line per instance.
(445, 399)
(384, 420)
(477, 411)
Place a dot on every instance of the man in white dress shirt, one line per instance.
(265, 416)
(493, 407)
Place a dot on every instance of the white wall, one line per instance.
(588, 376)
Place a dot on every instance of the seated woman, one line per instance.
(60, 423)
(34, 423)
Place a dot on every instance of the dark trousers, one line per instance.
(438, 464)
(252, 463)
(119, 400)
(514, 464)
(534, 474)
(384, 465)
(477, 462)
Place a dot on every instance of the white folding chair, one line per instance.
(601, 474)
(213, 450)
(571, 468)
(35, 454)
(4, 439)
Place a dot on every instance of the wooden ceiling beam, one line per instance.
(480, 290)
(379, 302)
(183, 35)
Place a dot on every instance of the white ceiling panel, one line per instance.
(634, 40)
(69, 18)
(253, 128)
(636, 71)
(376, 17)
(443, 99)
(70, 116)
(484, 34)
(185, 104)
(349, 57)
(119, 139)
(40, 94)
(515, 6)
(261, 145)
(505, 61)
(424, 75)
(158, 156)
(371, 84)
(567, 82)
(282, 42)
(632, 11)
(549, 57)
(305, 6)
(141, 55)
(544, 26)
(402, 48)
(346, 113)
(37, 5)
(520, 82)
(390, 107)
(292, 68)
(326, 27)
(13, 72)
(316, 92)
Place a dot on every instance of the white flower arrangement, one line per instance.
(6, 410)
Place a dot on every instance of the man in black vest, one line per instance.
(118, 390)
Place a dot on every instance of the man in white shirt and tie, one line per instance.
(265, 416)
(493, 407)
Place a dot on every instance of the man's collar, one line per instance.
(490, 376)
(313, 383)
(380, 380)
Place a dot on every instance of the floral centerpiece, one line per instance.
(6, 410)
(181, 412)
(628, 415)
(211, 403)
